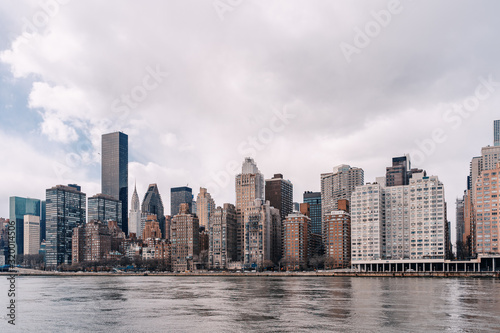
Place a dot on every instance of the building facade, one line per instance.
(91, 242)
(178, 196)
(102, 207)
(66, 210)
(296, 239)
(31, 234)
(152, 228)
(279, 193)
(337, 239)
(115, 171)
(314, 201)
(249, 186)
(222, 236)
(18, 207)
(205, 206)
(184, 236)
(134, 216)
(153, 205)
(496, 132)
(257, 234)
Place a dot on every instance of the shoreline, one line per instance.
(489, 275)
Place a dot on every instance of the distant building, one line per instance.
(337, 239)
(43, 223)
(338, 185)
(184, 235)
(153, 205)
(399, 173)
(66, 210)
(102, 207)
(115, 171)
(134, 218)
(296, 239)
(31, 234)
(314, 201)
(18, 207)
(91, 242)
(279, 193)
(222, 237)
(496, 132)
(178, 196)
(152, 228)
(249, 186)
(205, 205)
(305, 209)
(257, 234)
(296, 206)
(486, 217)
(460, 216)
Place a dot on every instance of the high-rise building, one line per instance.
(399, 173)
(152, 228)
(486, 205)
(496, 132)
(66, 210)
(339, 185)
(397, 222)
(18, 207)
(115, 171)
(279, 193)
(104, 208)
(337, 239)
(153, 205)
(205, 205)
(460, 216)
(222, 236)
(178, 196)
(314, 201)
(184, 235)
(296, 239)
(43, 228)
(367, 223)
(257, 234)
(249, 186)
(31, 234)
(91, 242)
(134, 217)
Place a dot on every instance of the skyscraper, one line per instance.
(249, 186)
(66, 210)
(257, 234)
(134, 219)
(296, 239)
(115, 170)
(314, 201)
(338, 185)
(17, 209)
(222, 236)
(102, 207)
(398, 174)
(184, 233)
(31, 234)
(178, 196)
(205, 206)
(279, 192)
(152, 204)
(496, 132)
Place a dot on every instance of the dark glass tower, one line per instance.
(103, 208)
(17, 209)
(152, 204)
(496, 132)
(178, 196)
(115, 170)
(279, 192)
(65, 211)
(314, 201)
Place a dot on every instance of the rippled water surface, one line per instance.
(256, 304)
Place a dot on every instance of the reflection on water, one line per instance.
(262, 304)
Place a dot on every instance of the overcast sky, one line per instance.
(301, 86)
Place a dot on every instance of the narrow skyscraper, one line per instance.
(314, 201)
(205, 206)
(134, 219)
(115, 170)
(496, 132)
(178, 196)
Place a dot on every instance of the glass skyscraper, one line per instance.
(115, 170)
(178, 196)
(314, 201)
(102, 207)
(18, 207)
(496, 130)
(65, 211)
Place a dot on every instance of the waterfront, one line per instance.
(211, 304)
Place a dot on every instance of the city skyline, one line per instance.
(53, 114)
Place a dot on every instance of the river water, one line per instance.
(252, 304)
